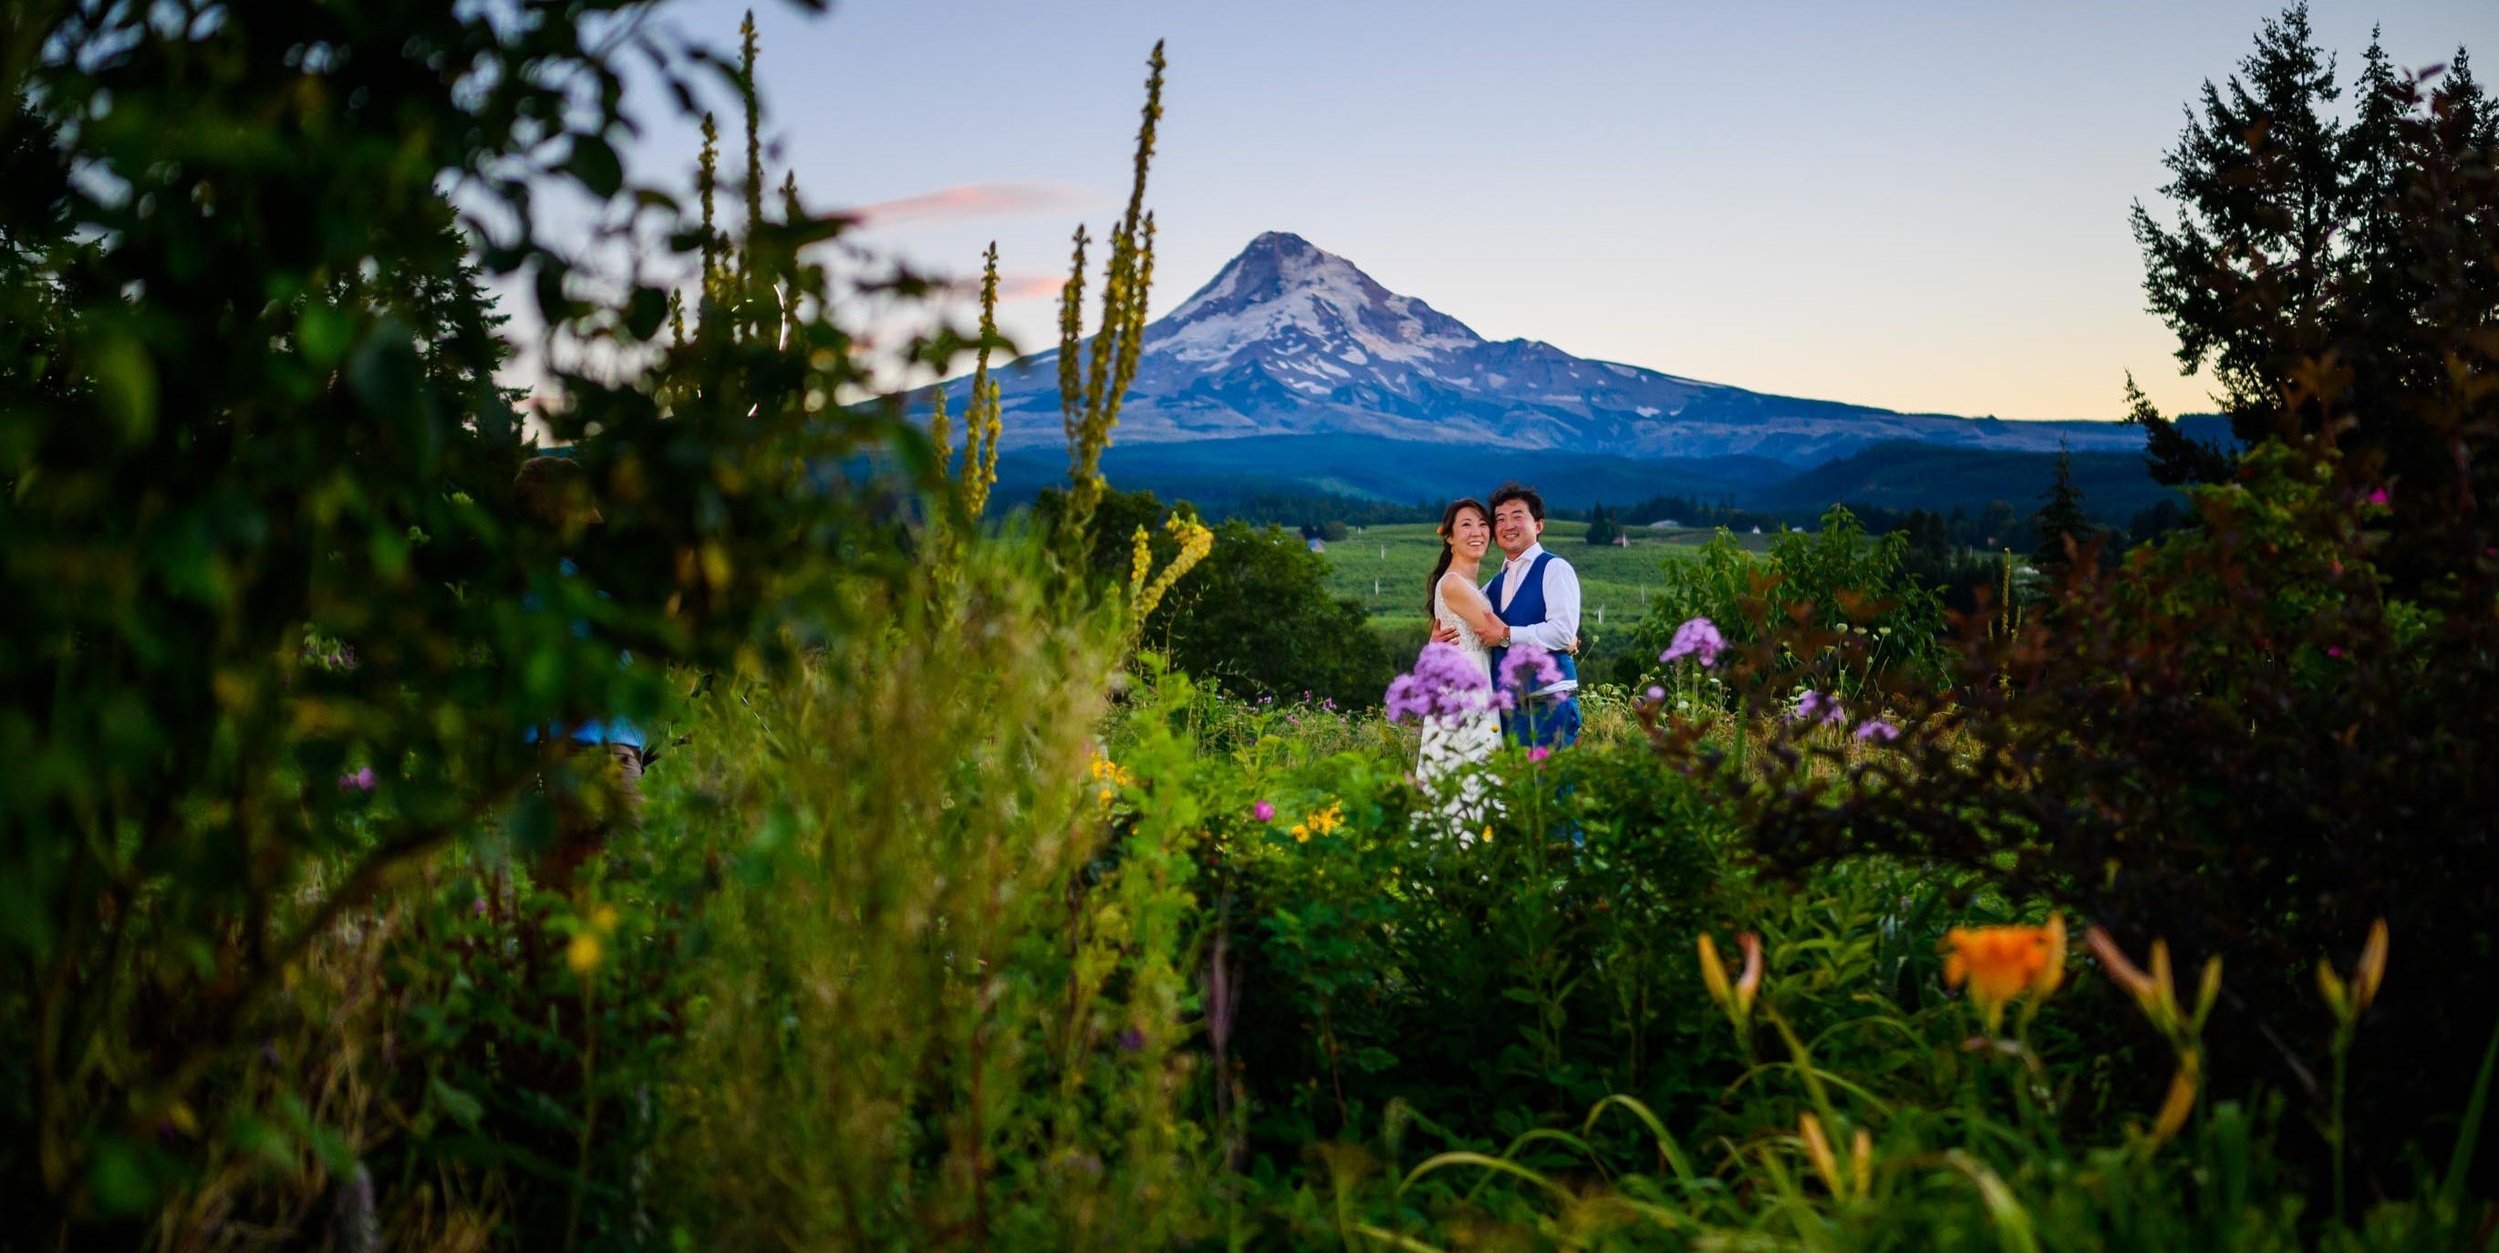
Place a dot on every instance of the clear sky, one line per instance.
(1919, 204)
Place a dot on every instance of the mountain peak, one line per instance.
(1284, 293)
(1280, 241)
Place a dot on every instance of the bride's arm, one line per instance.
(1467, 601)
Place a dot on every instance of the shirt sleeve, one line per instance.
(1561, 624)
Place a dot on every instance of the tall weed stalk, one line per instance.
(939, 988)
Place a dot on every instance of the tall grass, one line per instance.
(940, 988)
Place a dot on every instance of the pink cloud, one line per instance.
(972, 200)
(1013, 287)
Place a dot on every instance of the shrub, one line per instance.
(1370, 938)
(1255, 619)
(939, 997)
(1837, 579)
(2237, 744)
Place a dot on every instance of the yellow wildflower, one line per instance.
(1326, 821)
(1301, 833)
(2157, 992)
(585, 953)
(2372, 968)
(1734, 997)
(2350, 1000)
(604, 919)
(1818, 1151)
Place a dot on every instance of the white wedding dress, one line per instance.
(1454, 747)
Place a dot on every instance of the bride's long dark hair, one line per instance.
(1448, 520)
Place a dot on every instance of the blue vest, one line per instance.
(1527, 608)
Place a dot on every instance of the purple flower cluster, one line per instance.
(1877, 731)
(1818, 707)
(1696, 638)
(1527, 668)
(1443, 684)
(361, 781)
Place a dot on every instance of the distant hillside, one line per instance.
(1212, 471)
(1905, 475)
(1216, 474)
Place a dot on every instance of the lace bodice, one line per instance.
(1468, 641)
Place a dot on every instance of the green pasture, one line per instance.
(1384, 568)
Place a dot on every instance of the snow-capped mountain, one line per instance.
(1291, 340)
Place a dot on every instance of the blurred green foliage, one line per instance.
(257, 530)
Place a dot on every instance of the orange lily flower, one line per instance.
(2000, 963)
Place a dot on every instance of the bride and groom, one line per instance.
(1531, 606)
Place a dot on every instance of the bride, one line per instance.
(1463, 733)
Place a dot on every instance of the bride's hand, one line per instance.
(1442, 634)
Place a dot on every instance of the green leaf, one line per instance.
(323, 333)
(593, 163)
(647, 312)
(125, 384)
(459, 1106)
(119, 1178)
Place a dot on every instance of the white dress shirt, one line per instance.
(1561, 624)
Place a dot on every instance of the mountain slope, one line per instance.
(1292, 341)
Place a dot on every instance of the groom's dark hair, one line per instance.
(1515, 490)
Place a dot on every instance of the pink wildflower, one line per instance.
(1699, 638)
(1528, 668)
(1264, 811)
(360, 781)
(1818, 707)
(1443, 684)
(1539, 753)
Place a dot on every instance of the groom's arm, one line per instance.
(1560, 628)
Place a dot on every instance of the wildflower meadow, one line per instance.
(2148, 906)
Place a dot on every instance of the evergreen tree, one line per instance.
(2064, 529)
(2258, 180)
(2334, 275)
(1602, 527)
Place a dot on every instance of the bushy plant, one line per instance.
(2239, 743)
(259, 517)
(1369, 932)
(939, 997)
(1255, 620)
(1836, 579)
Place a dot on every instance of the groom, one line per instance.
(1537, 596)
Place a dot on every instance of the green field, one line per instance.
(1383, 569)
